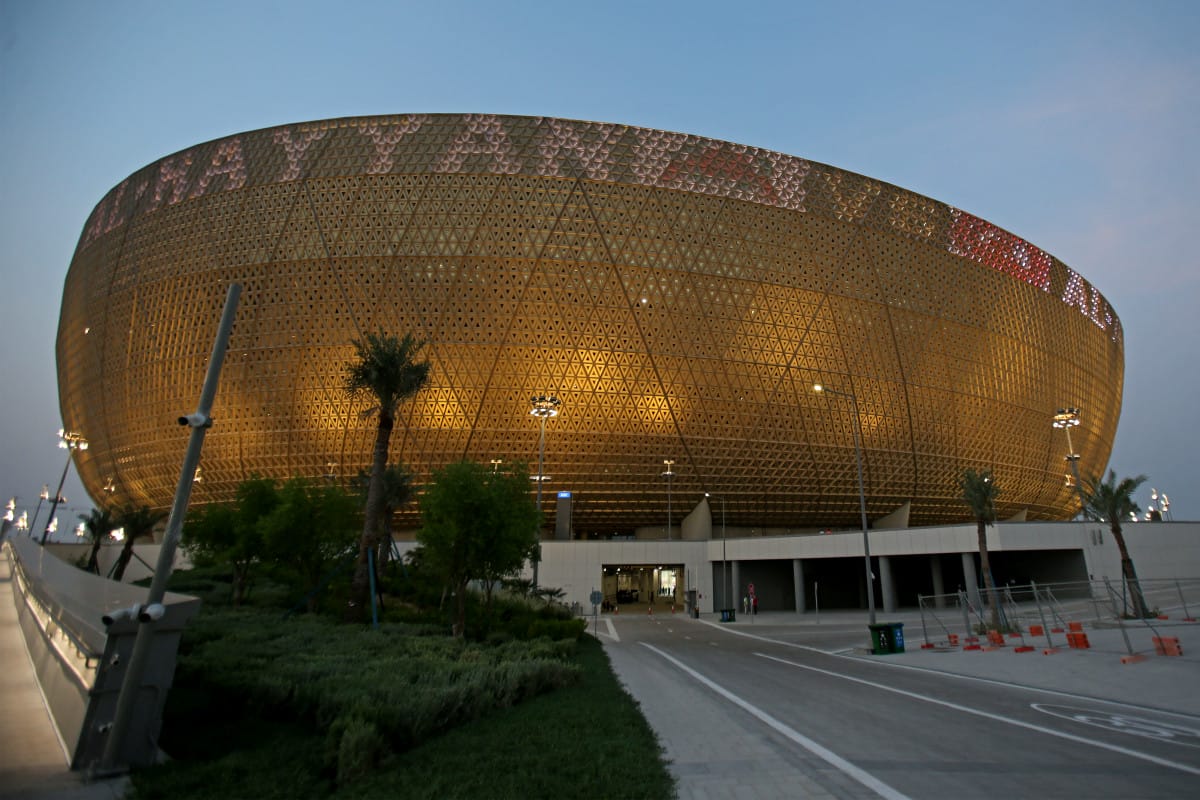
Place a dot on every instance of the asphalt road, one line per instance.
(763, 711)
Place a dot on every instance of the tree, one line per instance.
(138, 523)
(385, 369)
(310, 528)
(476, 524)
(979, 492)
(1112, 501)
(397, 492)
(229, 534)
(98, 523)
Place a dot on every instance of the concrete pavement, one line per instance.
(733, 765)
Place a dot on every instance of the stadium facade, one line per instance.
(680, 295)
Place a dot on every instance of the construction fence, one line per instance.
(1054, 615)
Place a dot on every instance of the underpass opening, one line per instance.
(644, 588)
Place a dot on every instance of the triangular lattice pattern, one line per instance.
(679, 294)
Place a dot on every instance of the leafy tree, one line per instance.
(385, 369)
(138, 523)
(1112, 501)
(98, 523)
(229, 534)
(310, 528)
(979, 492)
(476, 524)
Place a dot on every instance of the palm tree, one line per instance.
(397, 492)
(979, 492)
(384, 368)
(1112, 501)
(98, 524)
(138, 523)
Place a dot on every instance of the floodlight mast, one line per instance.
(862, 496)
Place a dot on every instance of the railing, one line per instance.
(80, 629)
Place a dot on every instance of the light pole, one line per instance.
(45, 495)
(544, 407)
(1068, 418)
(724, 561)
(862, 497)
(668, 473)
(69, 441)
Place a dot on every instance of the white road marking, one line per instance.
(611, 633)
(849, 653)
(994, 717)
(1123, 723)
(833, 759)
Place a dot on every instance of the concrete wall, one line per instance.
(1160, 550)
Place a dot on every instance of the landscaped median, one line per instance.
(306, 707)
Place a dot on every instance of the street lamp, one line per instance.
(69, 441)
(544, 407)
(668, 474)
(45, 495)
(1068, 418)
(862, 497)
(724, 561)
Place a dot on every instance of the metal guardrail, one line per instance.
(80, 629)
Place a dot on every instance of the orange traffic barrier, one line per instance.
(1078, 640)
(1167, 646)
(1077, 627)
(996, 638)
(1036, 630)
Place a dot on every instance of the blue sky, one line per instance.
(1071, 124)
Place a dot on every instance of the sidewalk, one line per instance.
(33, 761)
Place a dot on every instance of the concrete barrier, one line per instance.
(80, 630)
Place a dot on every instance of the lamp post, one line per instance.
(69, 441)
(1068, 418)
(544, 407)
(862, 497)
(45, 495)
(724, 561)
(668, 473)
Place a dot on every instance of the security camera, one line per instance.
(152, 613)
(121, 613)
(196, 420)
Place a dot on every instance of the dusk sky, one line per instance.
(1071, 124)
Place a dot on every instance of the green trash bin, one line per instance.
(887, 637)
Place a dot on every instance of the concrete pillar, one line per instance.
(735, 576)
(798, 582)
(971, 579)
(886, 587)
(939, 585)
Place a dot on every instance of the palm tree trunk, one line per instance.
(985, 565)
(360, 586)
(126, 557)
(1130, 574)
(93, 563)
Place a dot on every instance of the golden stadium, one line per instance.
(680, 295)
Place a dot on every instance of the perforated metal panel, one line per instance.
(679, 294)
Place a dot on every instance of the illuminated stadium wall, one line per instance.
(679, 294)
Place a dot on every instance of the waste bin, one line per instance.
(728, 615)
(887, 637)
